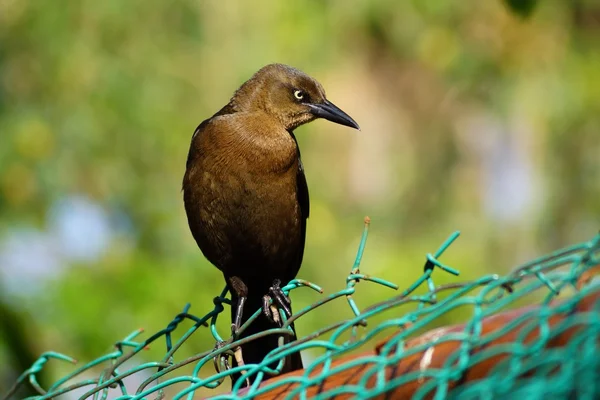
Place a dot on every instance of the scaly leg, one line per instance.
(279, 299)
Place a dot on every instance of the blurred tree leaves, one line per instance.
(523, 8)
(465, 110)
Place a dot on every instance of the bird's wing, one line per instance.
(304, 202)
(193, 150)
(228, 109)
(303, 198)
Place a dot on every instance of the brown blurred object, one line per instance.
(436, 356)
(587, 276)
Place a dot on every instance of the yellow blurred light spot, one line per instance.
(438, 48)
(34, 140)
(12, 12)
(18, 184)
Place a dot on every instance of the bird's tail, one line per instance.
(255, 351)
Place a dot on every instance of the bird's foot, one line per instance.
(222, 360)
(274, 300)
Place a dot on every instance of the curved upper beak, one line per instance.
(332, 113)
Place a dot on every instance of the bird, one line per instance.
(246, 197)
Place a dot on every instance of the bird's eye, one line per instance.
(299, 94)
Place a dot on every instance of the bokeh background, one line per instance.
(482, 116)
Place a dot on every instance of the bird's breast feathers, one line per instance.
(258, 144)
(242, 189)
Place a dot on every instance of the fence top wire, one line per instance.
(486, 296)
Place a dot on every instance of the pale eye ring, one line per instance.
(298, 94)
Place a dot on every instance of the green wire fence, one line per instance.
(550, 350)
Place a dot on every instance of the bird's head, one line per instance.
(290, 96)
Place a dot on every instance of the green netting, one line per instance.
(533, 368)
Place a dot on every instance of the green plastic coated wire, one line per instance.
(533, 370)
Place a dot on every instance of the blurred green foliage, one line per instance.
(472, 118)
(523, 8)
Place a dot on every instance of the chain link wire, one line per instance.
(526, 352)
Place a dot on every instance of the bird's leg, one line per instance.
(239, 312)
(240, 289)
(280, 300)
(237, 286)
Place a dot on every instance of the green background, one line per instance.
(482, 116)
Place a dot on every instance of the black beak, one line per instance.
(332, 113)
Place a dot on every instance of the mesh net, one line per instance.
(534, 333)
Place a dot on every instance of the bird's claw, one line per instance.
(234, 331)
(221, 359)
(279, 300)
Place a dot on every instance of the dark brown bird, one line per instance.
(246, 196)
